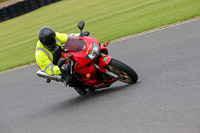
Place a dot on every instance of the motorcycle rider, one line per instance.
(48, 52)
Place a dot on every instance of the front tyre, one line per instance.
(125, 73)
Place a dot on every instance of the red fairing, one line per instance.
(81, 47)
(104, 61)
(103, 50)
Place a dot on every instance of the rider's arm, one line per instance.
(46, 64)
(63, 37)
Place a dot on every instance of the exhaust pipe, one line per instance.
(44, 75)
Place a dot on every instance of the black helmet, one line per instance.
(47, 37)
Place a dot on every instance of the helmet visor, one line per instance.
(50, 43)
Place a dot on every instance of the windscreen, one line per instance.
(74, 44)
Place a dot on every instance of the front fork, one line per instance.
(104, 60)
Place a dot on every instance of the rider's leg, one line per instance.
(73, 82)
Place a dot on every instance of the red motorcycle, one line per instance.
(90, 63)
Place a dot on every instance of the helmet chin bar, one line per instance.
(51, 47)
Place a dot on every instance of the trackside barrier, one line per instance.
(22, 7)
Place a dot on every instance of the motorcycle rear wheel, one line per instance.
(125, 73)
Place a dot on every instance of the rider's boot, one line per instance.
(67, 79)
(80, 90)
(72, 82)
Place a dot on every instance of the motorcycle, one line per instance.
(90, 63)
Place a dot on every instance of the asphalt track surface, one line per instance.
(166, 98)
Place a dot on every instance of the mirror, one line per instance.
(61, 61)
(81, 25)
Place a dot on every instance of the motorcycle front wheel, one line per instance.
(125, 73)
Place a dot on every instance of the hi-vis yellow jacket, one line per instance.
(44, 57)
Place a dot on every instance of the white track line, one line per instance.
(156, 29)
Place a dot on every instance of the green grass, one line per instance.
(1, 1)
(109, 19)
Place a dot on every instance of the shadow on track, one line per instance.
(92, 98)
(97, 94)
(77, 102)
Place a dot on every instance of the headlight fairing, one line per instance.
(94, 53)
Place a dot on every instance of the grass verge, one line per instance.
(108, 19)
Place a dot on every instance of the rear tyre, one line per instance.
(125, 73)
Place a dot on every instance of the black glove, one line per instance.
(86, 33)
(65, 68)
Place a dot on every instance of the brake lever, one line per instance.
(70, 62)
(92, 34)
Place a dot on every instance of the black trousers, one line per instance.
(70, 79)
